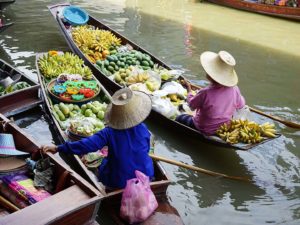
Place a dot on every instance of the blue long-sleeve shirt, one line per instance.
(127, 151)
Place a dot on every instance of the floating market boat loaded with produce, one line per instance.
(117, 62)
(73, 120)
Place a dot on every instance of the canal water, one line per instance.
(267, 51)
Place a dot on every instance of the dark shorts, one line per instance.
(186, 120)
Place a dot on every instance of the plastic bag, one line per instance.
(164, 107)
(243, 114)
(138, 201)
(174, 88)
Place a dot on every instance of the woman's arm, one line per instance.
(195, 102)
(240, 101)
(86, 145)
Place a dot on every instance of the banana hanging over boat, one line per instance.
(245, 131)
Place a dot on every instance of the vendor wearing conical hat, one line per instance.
(126, 136)
(215, 104)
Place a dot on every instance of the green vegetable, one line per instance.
(61, 115)
(64, 109)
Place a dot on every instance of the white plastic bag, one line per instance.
(164, 106)
(174, 88)
(243, 114)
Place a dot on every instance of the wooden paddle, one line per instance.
(198, 169)
(287, 123)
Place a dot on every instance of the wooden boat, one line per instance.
(112, 86)
(111, 202)
(20, 100)
(292, 13)
(4, 3)
(75, 201)
(3, 27)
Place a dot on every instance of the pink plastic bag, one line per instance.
(138, 201)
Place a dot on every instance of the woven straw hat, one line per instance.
(7, 146)
(127, 109)
(220, 67)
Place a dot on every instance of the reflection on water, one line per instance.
(177, 31)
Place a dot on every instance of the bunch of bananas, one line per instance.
(53, 65)
(95, 43)
(268, 130)
(138, 78)
(245, 131)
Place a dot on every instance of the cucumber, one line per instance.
(111, 69)
(56, 116)
(99, 62)
(71, 107)
(106, 63)
(63, 108)
(145, 63)
(112, 64)
(109, 58)
(151, 63)
(56, 108)
(61, 115)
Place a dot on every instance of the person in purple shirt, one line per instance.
(127, 138)
(214, 105)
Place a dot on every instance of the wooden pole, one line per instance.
(7, 204)
(198, 169)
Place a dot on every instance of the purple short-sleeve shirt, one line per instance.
(214, 106)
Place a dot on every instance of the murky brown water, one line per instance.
(267, 51)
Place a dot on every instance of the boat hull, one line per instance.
(20, 100)
(74, 201)
(292, 13)
(5, 26)
(5, 3)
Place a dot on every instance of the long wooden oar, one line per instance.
(287, 123)
(195, 168)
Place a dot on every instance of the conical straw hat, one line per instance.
(127, 109)
(220, 67)
(7, 146)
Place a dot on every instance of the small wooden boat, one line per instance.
(4, 3)
(21, 99)
(74, 201)
(3, 27)
(112, 86)
(111, 202)
(292, 13)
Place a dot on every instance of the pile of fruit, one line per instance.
(176, 99)
(122, 60)
(95, 43)
(52, 65)
(12, 88)
(245, 131)
(93, 109)
(85, 120)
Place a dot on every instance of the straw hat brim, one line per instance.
(11, 163)
(131, 113)
(218, 70)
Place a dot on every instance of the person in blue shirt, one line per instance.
(127, 138)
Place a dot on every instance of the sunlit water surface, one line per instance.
(267, 51)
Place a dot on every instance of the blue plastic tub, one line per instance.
(75, 15)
